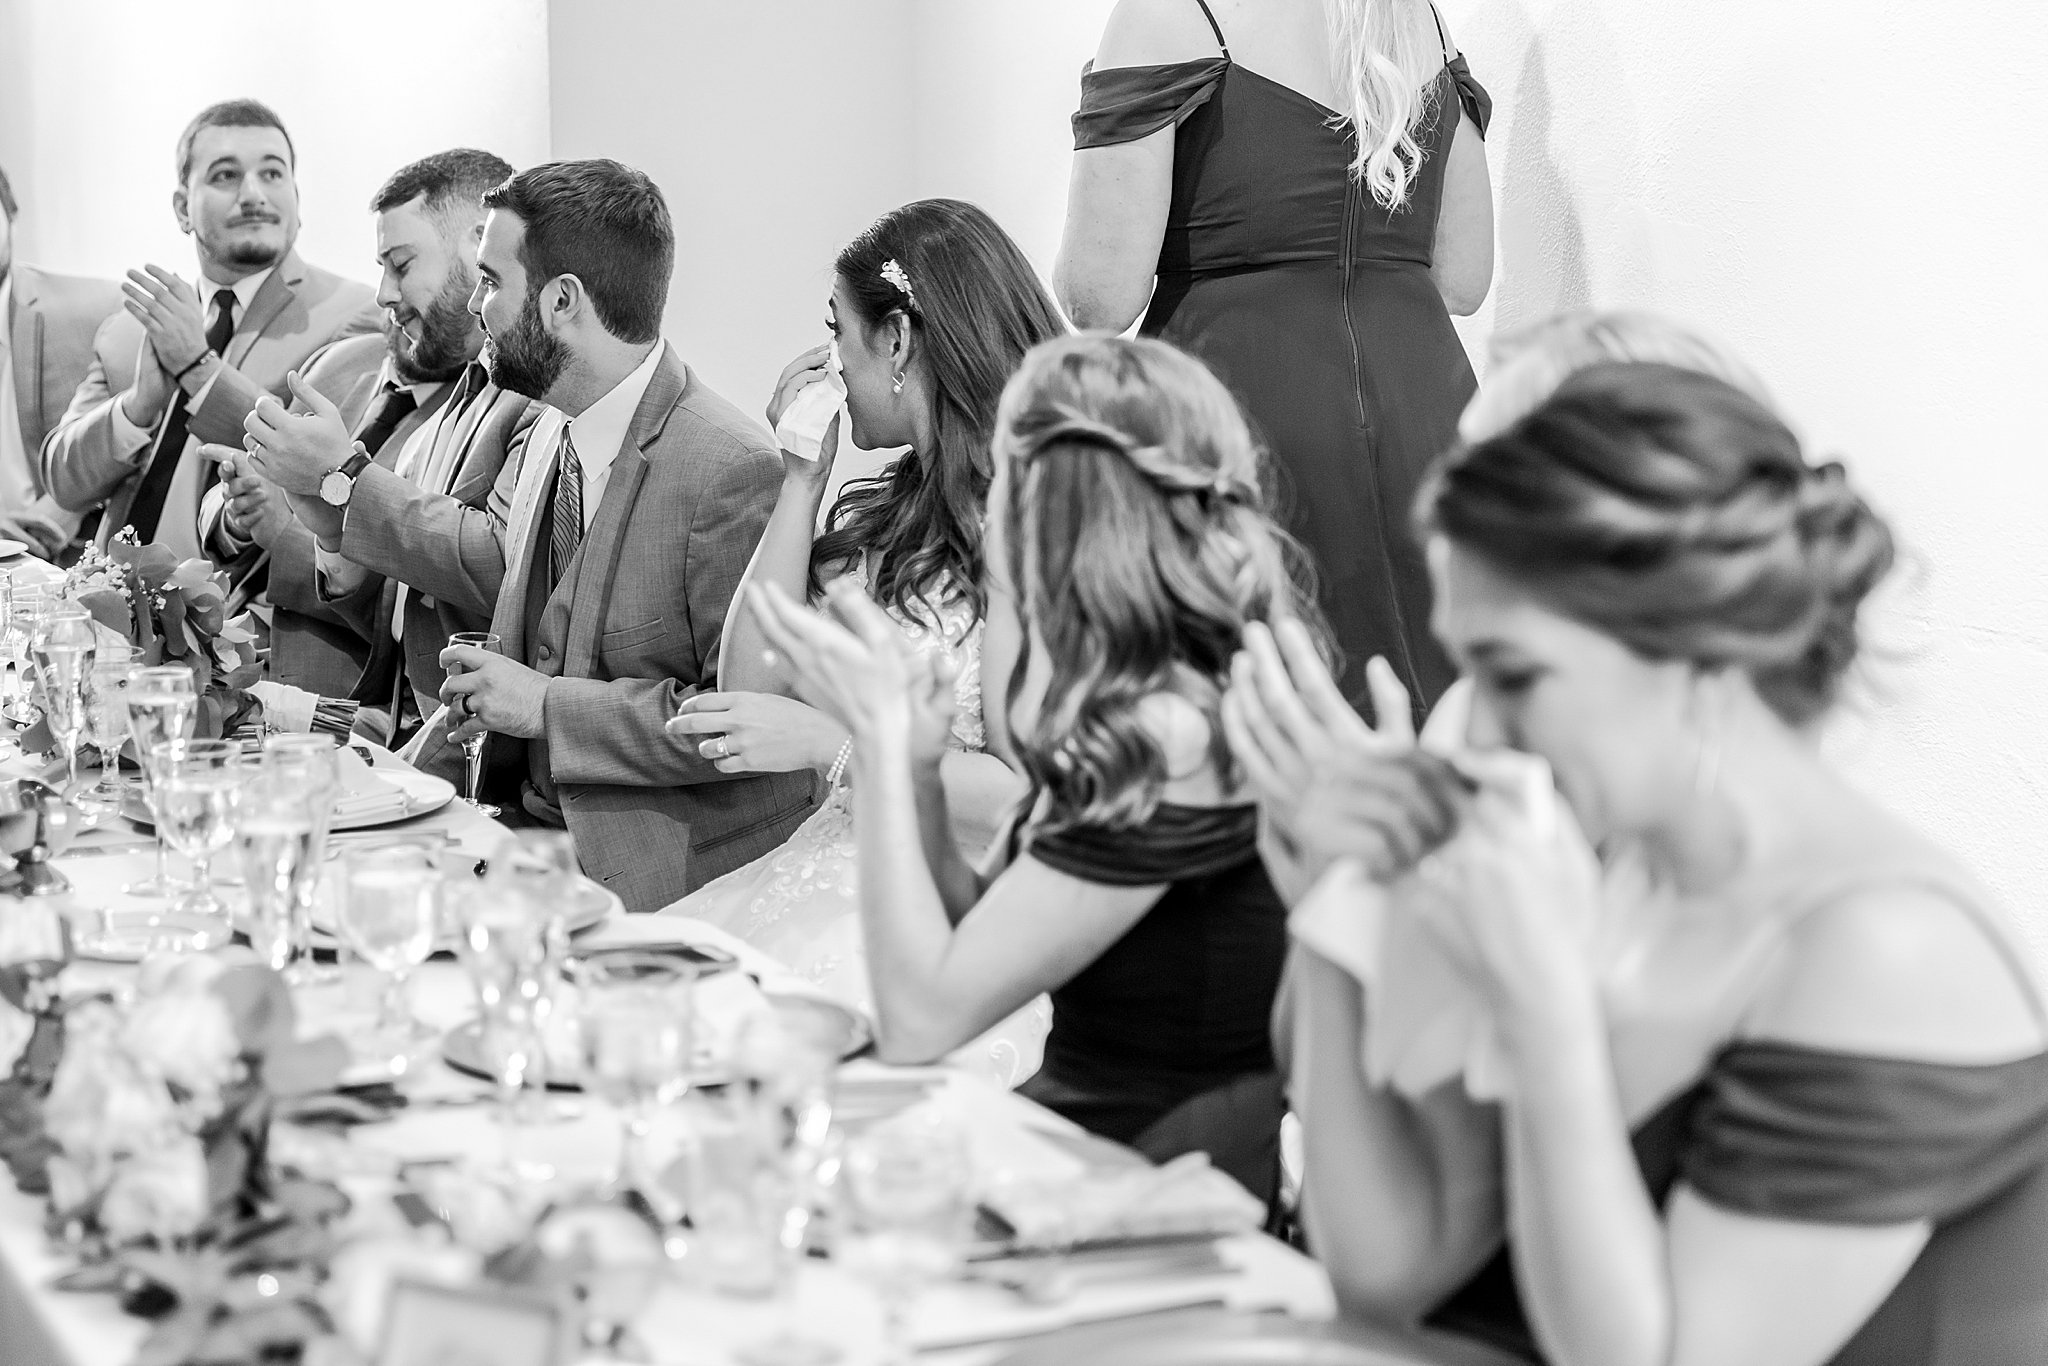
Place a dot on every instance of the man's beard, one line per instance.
(446, 329)
(525, 360)
(247, 253)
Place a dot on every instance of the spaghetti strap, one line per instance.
(1443, 40)
(1217, 28)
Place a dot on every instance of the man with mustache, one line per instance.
(181, 366)
(640, 498)
(47, 322)
(428, 421)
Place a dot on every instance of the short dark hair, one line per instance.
(604, 223)
(7, 204)
(457, 176)
(230, 114)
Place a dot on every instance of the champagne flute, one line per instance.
(24, 603)
(106, 718)
(910, 1180)
(512, 961)
(198, 791)
(473, 747)
(162, 705)
(390, 908)
(636, 1016)
(276, 836)
(63, 645)
(309, 762)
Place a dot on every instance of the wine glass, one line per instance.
(24, 604)
(64, 643)
(473, 747)
(309, 763)
(198, 791)
(909, 1179)
(635, 1017)
(162, 704)
(512, 960)
(276, 836)
(106, 727)
(389, 904)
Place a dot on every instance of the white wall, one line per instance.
(93, 94)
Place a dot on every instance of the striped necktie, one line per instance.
(566, 532)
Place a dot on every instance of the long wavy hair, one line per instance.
(1138, 540)
(976, 306)
(1387, 55)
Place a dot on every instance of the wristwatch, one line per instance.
(340, 483)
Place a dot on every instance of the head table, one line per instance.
(683, 1324)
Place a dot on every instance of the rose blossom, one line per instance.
(101, 1104)
(73, 1184)
(160, 1193)
(187, 1038)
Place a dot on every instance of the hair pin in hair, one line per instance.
(893, 272)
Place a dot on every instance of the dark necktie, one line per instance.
(390, 409)
(566, 532)
(169, 447)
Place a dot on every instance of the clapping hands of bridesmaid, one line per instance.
(1329, 785)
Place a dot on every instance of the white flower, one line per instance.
(188, 1039)
(159, 1194)
(102, 1104)
(73, 1183)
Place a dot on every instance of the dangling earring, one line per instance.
(897, 385)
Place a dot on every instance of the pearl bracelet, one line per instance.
(838, 768)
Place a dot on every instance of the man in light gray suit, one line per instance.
(381, 560)
(46, 328)
(639, 501)
(180, 367)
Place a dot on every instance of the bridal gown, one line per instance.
(801, 903)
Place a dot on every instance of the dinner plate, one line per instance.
(9, 549)
(590, 905)
(462, 1048)
(424, 794)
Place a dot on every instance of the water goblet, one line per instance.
(512, 961)
(389, 904)
(276, 837)
(635, 1018)
(64, 643)
(23, 604)
(162, 705)
(198, 792)
(473, 747)
(909, 1179)
(309, 762)
(106, 728)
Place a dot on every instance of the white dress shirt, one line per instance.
(600, 430)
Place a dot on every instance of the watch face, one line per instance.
(335, 488)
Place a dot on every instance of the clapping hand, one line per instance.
(297, 448)
(861, 670)
(172, 317)
(1329, 785)
(256, 508)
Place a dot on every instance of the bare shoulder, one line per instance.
(1181, 731)
(1903, 970)
(1154, 33)
(1444, 32)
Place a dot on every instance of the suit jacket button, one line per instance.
(546, 653)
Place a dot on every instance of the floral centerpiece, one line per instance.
(146, 1125)
(174, 611)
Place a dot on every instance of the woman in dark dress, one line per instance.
(1127, 552)
(1313, 268)
(1785, 1100)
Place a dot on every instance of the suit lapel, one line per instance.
(25, 356)
(509, 620)
(277, 291)
(595, 566)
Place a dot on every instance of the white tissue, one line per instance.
(1425, 1022)
(801, 431)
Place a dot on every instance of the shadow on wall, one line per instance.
(1542, 241)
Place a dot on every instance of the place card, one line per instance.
(429, 1324)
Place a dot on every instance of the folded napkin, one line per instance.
(1425, 1021)
(365, 797)
(1185, 1198)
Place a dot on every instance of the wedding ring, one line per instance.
(724, 749)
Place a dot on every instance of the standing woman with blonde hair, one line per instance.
(1306, 183)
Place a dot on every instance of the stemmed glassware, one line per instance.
(162, 704)
(63, 643)
(635, 1015)
(106, 728)
(276, 836)
(513, 960)
(308, 764)
(389, 904)
(23, 604)
(910, 1178)
(199, 787)
(473, 747)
